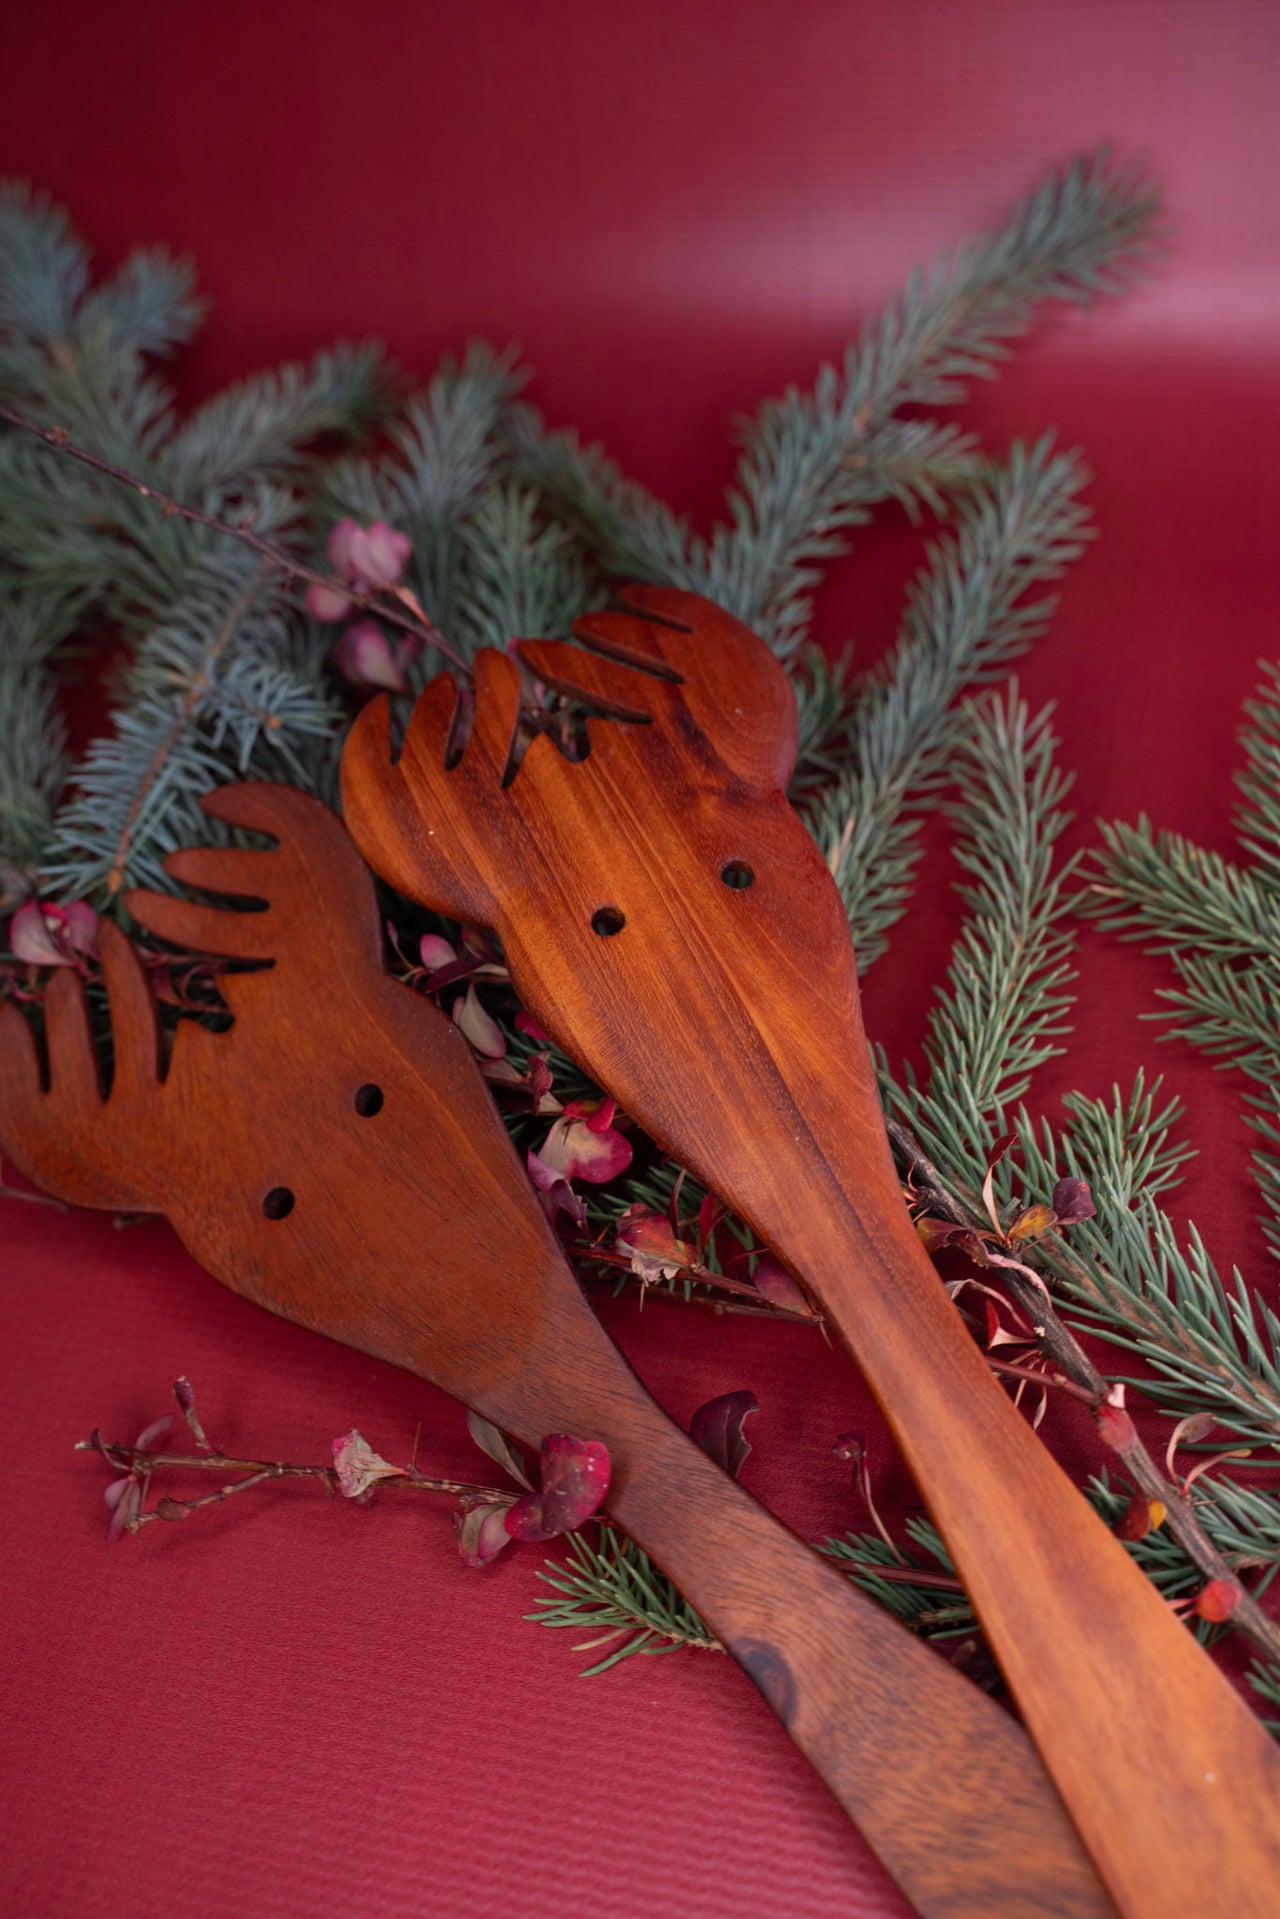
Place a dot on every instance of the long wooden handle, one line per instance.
(943, 1783)
(1172, 1782)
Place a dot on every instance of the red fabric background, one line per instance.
(289, 1709)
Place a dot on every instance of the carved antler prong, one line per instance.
(74, 1079)
(135, 1027)
(608, 686)
(312, 874)
(734, 689)
(19, 1064)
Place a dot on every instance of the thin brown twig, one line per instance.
(1058, 1343)
(739, 1289)
(374, 602)
(139, 1458)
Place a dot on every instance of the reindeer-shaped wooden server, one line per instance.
(335, 1156)
(668, 919)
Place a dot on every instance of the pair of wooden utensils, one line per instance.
(667, 919)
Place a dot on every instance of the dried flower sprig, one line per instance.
(574, 1480)
(1160, 1498)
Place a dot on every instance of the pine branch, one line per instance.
(521, 578)
(967, 618)
(997, 1021)
(276, 556)
(447, 456)
(263, 427)
(1162, 888)
(1002, 1013)
(209, 698)
(33, 768)
(1195, 1544)
(1213, 1346)
(1258, 820)
(614, 1592)
(1219, 925)
(815, 464)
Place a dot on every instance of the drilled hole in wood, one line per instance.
(607, 920)
(737, 875)
(278, 1202)
(368, 1100)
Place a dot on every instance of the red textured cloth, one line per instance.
(286, 1708)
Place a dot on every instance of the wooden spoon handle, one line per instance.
(1173, 1783)
(944, 1784)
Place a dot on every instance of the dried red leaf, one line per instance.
(771, 1278)
(1115, 1428)
(717, 1428)
(500, 1447)
(575, 1480)
(710, 1213)
(541, 1080)
(1135, 1521)
(1032, 1222)
(655, 1250)
(937, 1233)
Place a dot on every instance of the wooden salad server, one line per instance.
(335, 1156)
(668, 919)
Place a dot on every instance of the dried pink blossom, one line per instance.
(527, 1024)
(584, 1143)
(124, 1495)
(327, 603)
(555, 1192)
(575, 1480)
(435, 952)
(358, 1467)
(365, 656)
(42, 933)
(480, 1027)
(375, 555)
(338, 547)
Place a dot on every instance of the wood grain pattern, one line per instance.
(412, 1233)
(725, 1018)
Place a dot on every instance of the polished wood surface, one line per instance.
(724, 1017)
(412, 1233)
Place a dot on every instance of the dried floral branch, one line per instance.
(1060, 1345)
(273, 554)
(150, 1459)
